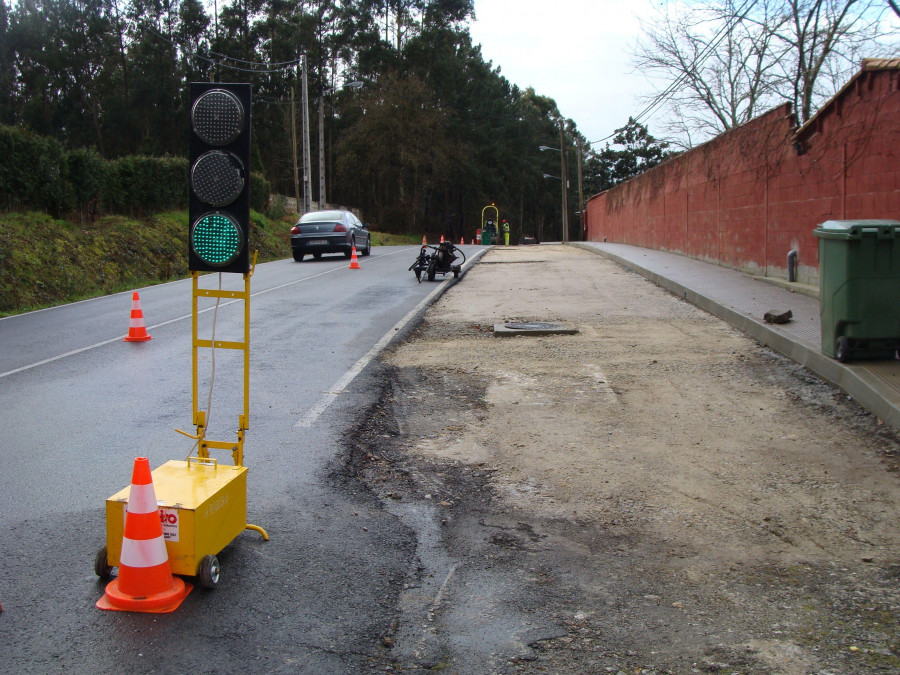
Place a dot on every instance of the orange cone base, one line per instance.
(137, 338)
(159, 603)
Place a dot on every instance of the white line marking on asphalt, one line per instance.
(180, 318)
(338, 387)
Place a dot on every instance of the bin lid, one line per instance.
(854, 229)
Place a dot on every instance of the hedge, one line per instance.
(38, 174)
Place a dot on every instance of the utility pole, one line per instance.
(581, 219)
(307, 163)
(294, 144)
(322, 151)
(565, 184)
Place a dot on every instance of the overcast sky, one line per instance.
(573, 51)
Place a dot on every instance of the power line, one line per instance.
(661, 98)
(251, 63)
(268, 67)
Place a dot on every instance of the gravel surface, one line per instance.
(654, 494)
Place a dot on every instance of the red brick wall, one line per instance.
(748, 197)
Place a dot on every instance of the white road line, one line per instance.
(337, 389)
(180, 318)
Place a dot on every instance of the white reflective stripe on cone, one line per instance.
(142, 499)
(143, 552)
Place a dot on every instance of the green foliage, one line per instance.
(37, 174)
(84, 176)
(259, 192)
(30, 170)
(387, 239)
(434, 135)
(45, 261)
(640, 152)
(277, 207)
(142, 185)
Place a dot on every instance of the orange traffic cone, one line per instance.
(442, 239)
(137, 332)
(462, 240)
(145, 582)
(354, 261)
(424, 243)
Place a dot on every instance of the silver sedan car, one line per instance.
(321, 232)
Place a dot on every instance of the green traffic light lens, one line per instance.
(217, 239)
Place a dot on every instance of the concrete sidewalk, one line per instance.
(742, 300)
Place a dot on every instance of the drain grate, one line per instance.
(532, 328)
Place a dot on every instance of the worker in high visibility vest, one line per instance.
(505, 232)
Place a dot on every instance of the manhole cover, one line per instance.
(532, 328)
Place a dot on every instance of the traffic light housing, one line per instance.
(219, 195)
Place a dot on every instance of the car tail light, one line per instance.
(295, 230)
(340, 228)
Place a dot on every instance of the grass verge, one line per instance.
(45, 261)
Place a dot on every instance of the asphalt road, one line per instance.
(77, 405)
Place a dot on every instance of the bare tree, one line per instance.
(715, 62)
(824, 42)
(723, 63)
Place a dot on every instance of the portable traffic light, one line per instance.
(219, 206)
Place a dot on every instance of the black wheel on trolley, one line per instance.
(209, 572)
(102, 568)
(842, 349)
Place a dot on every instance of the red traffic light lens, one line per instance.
(217, 117)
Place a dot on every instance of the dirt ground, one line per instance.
(680, 498)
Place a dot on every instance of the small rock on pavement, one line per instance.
(774, 316)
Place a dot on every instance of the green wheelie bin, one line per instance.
(859, 288)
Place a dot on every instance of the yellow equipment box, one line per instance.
(202, 506)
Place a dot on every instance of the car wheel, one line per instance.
(349, 253)
(368, 249)
(317, 256)
(298, 255)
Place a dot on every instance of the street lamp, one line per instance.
(565, 182)
(349, 85)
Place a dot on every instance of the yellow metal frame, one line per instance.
(199, 416)
(496, 216)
